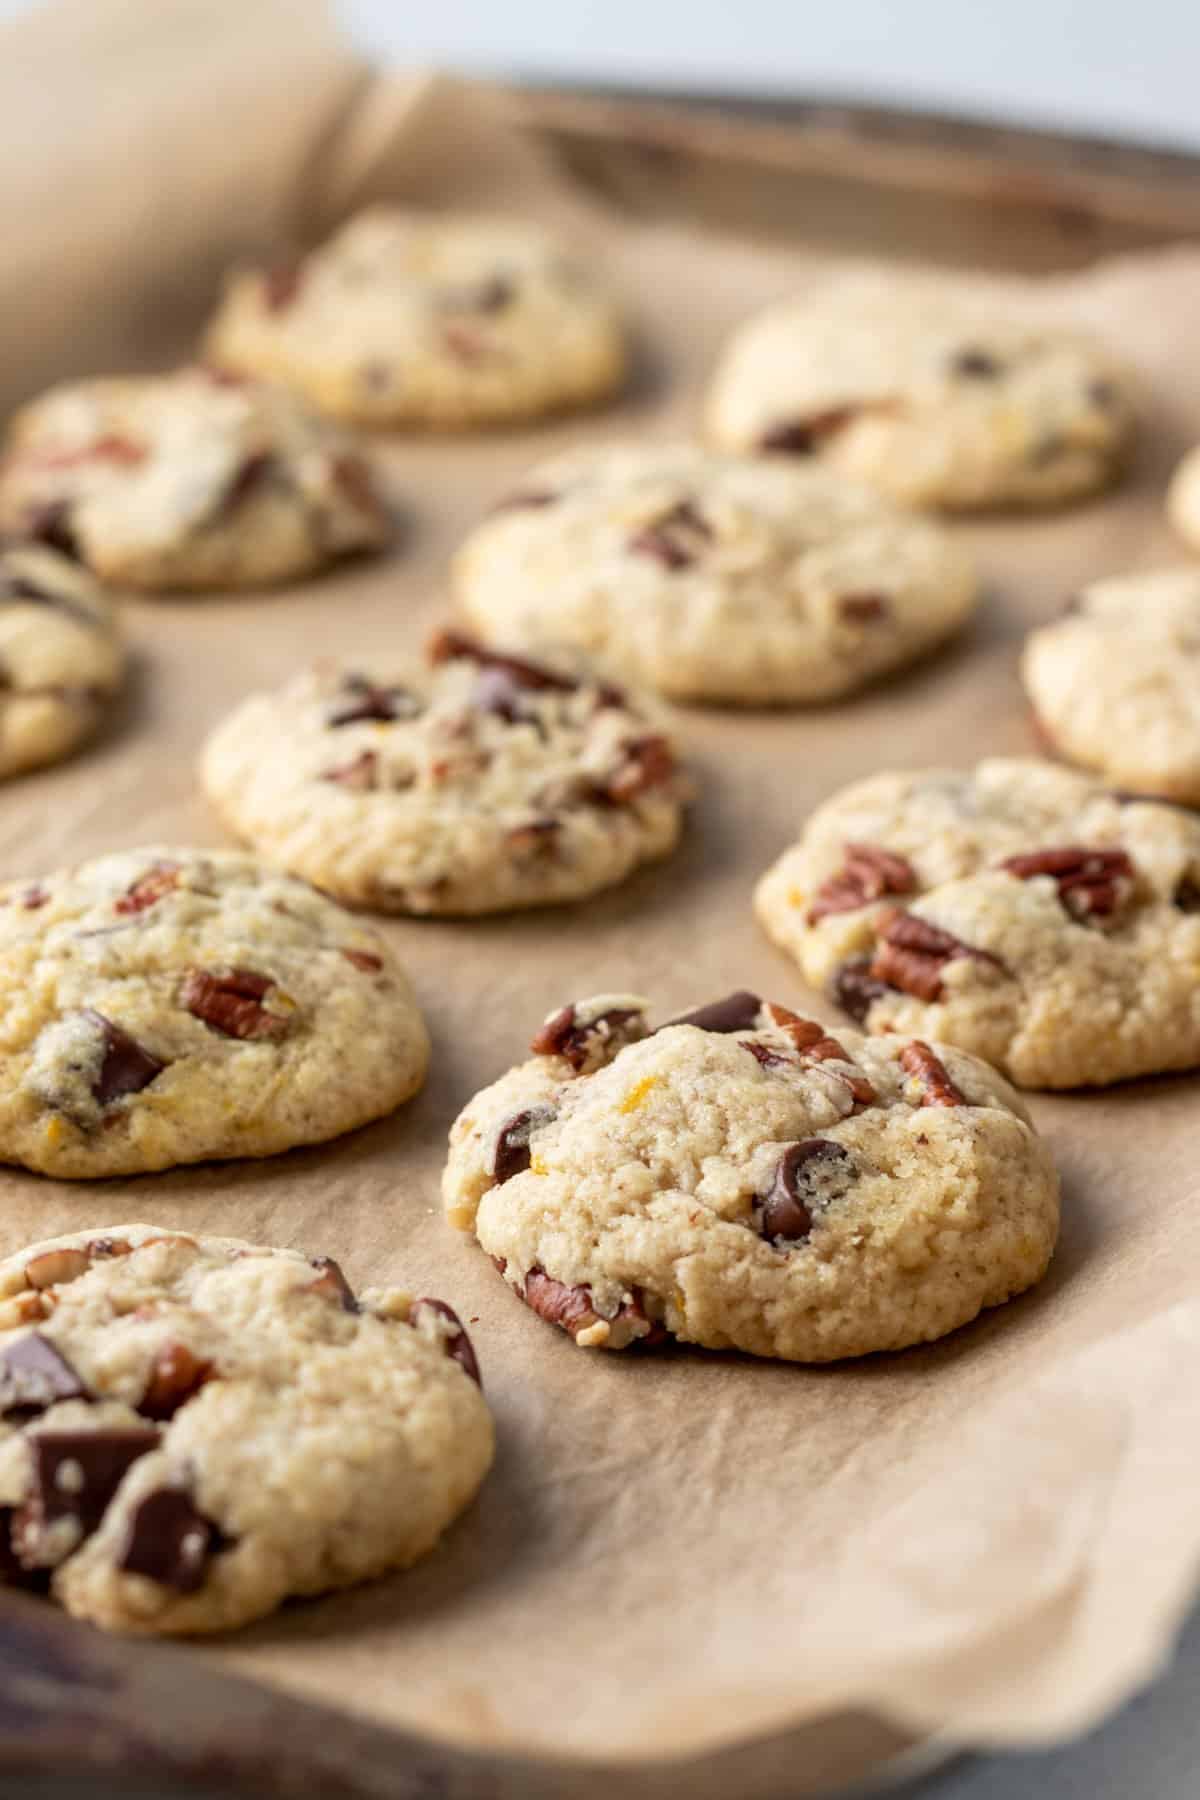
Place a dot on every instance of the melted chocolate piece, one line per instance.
(333, 1284)
(176, 1377)
(35, 1376)
(459, 1348)
(736, 1012)
(126, 1067)
(75, 1476)
(381, 705)
(855, 989)
(170, 1541)
(803, 1177)
(513, 1150)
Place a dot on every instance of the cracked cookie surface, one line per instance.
(1115, 682)
(61, 656)
(166, 1006)
(708, 577)
(741, 1179)
(186, 481)
(468, 783)
(937, 398)
(406, 318)
(193, 1430)
(1017, 909)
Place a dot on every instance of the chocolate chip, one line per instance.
(1091, 883)
(855, 989)
(75, 1476)
(169, 1541)
(513, 1155)
(804, 437)
(676, 538)
(458, 1347)
(867, 873)
(806, 1175)
(366, 701)
(332, 1284)
(159, 880)
(580, 1041)
(736, 1012)
(229, 1001)
(177, 1375)
(1187, 895)
(34, 1376)
(126, 1067)
(975, 364)
(918, 1060)
(449, 645)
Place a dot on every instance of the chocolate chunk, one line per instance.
(176, 1377)
(361, 775)
(1091, 883)
(51, 524)
(867, 873)
(169, 1541)
(452, 646)
(581, 1041)
(229, 1001)
(855, 989)
(281, 284)
(34, 1376)
(459, 1347)
(807, 1174)
(75, 1476)
(912, 954)
(676, 538)
(864, 609)
(1187, 895)
(975, 364)
(333, 1284)
(365, 701)
(647, 762)
(159, 880)
(736, 1012)
(918, 1060)
(126, 1067)
(513, 1155)
(804, 437)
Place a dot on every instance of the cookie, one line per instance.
(721, 578)
(170, 1006)
(406, 318)
(193, 1430)
(186, 481)
(468, 783)
(1114, 682)
(61, 657)
(1183, 499)
(939, 399)
(1018, 910)
(740, 1179)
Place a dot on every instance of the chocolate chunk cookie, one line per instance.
(167, 1006)
(405, 318)
(726, 578)
(1114, 682)
(740, 1178)
(61, 657)
(936, 397)
(186, 481)
(1018, 910)
(473, 781)
(192, 1430)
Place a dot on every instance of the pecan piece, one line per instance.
(855, 989)
(676, 538)
(807, 1175)
(170, 1541)
(919, 1061)
(513, 1154)
(126, 1067)
(804, 437)
(458, 1345)
(55, 1268)
(816, 1046)
(572, 1309)
(361, 775)
(35, 1375)
(176, 1376)
(364, 960)
(587, 1039)
(912, 954)
(331, 1284)
(230, 1001)
(366, 701)
(647, 762)
(1091, 883)
(159, 880)
(75, 1476)
(867, 873)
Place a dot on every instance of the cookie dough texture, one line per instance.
(166, 1006)
(61, 657)
(193, 1430)
(1018, 910)
(414, 319)
(741, 1180)
(938, 398)
(1115, 683)
(467, 783)
(711, 577)
(1183, 499)
(186, 481)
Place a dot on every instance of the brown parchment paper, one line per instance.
(995, 1536)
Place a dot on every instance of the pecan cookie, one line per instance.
(186, 481)
(935, 397)
(473, 782)
(192, 1430)
(168, 1006)
(1183, 499)
(724, 578)
(404, 318)
(61, 657)
(739, 1178)
(1114, 682)
(1017, 909)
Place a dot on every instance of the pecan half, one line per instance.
(170, 1541)
(816, 1046)
(912, 954)
(159, 880)
(126, 1066)
(176, 1376)
(230, 1001)
(867, 873)
(458, 1345)
(804, 437)
(586, 1040)
(676, 538)
(513, 1153)
(57, 1268)
(1091, 883)
(807, 1175)
(919, 1061)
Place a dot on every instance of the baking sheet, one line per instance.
(994, 1536)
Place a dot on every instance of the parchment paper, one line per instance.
(994, 1536)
